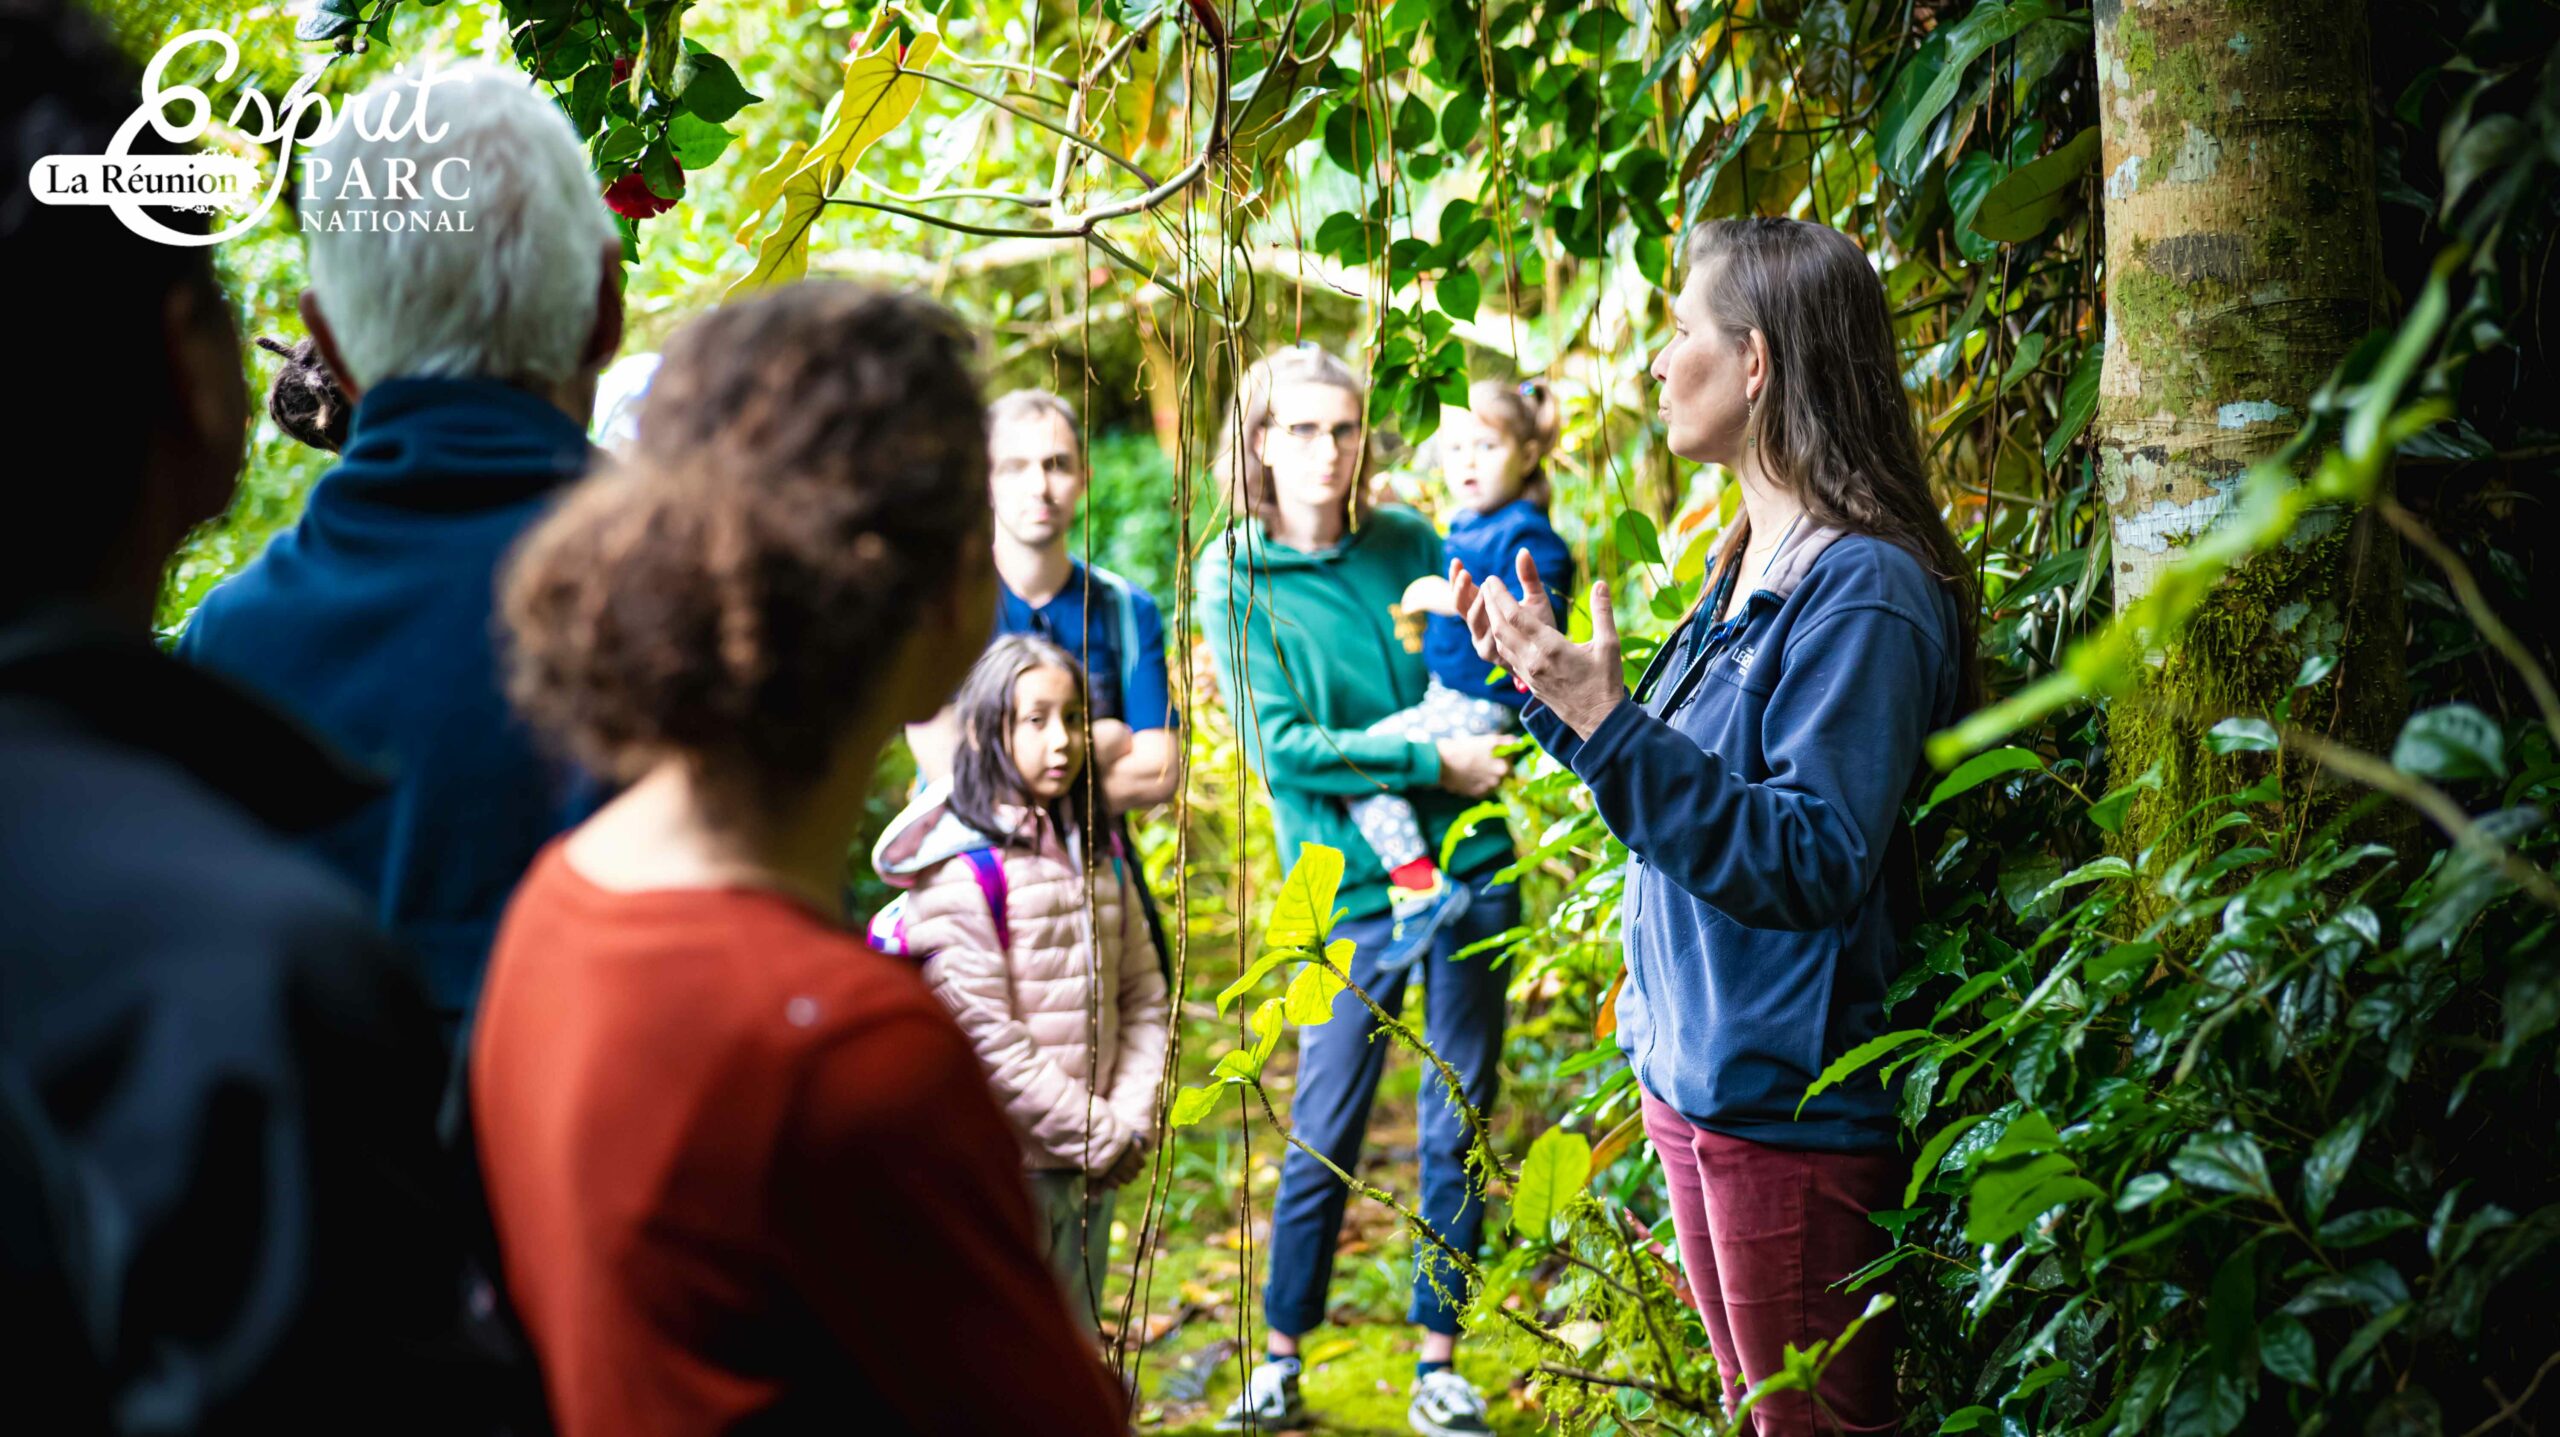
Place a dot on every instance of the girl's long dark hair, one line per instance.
(1833, 423)
(984, 781)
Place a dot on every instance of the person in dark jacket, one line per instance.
(1756, 776)
(472, 361)
(218, 1166)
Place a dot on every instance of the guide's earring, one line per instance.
(1750, 408)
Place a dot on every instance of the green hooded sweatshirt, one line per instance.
(1316, 637)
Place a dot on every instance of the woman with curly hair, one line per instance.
(745, 1170)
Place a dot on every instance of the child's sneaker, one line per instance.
(1270, 1401)
(1420, 914)
(1446, 1405)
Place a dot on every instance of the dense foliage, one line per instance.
(2251, 1133)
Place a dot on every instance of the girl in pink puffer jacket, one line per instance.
(1038, 947)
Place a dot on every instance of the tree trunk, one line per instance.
(2242, 264)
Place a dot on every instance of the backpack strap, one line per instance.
(987, 866)
(1125, 610)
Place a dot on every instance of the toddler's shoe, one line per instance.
(1420, 914)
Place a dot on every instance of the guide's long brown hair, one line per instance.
(1833, 423)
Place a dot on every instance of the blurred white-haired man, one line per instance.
(466, 291)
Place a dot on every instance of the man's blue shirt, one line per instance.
(1118, 636)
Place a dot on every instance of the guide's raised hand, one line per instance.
(1580, 682)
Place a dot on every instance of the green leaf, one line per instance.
(2373, 1224)
(2229, 1312)
(1415, 124)
(2208, 1404)
(2096, 870)
(1933, 1152)
(2284, 1348)
(2328, 1163)
(1638, 542)
(1702, 14)
(1458, 291)
(1350, 139)
(2453, 742)
(1551, 1177)
(1968, 184)
(588, 95)
(1311, 995)
(1303, 914)
(2143, 1191)
(697, 142)
(2034, 195)
(1272, 956)
(1268, 1021)
(2109, 811)
(1859, 1057)
(2079, 404)
(1191, 1105)
(2242, 735)
(708, 89)
(1462, 119)
(2007, 1196)
(1703, 186)
(1929, 83)
(2120, 958)
(2224, 1162)
(620, 144)
(329, 19)
(1979, 770)
(658, 166)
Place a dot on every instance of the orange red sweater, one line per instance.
(746, 1175)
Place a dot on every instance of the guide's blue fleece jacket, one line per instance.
(373, 620)
(1757, 778)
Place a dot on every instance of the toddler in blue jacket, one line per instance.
(1493, 457)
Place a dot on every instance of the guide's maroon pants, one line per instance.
(1765, 1233)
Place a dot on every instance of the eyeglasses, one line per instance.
(1308, 434)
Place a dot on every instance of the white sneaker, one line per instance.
(1270, 1401)
(1446, 1405)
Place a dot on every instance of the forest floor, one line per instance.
(1201, 1322)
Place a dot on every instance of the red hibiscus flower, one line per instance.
(631, 198)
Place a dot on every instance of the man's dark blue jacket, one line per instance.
(1757, 781)
(373, 620)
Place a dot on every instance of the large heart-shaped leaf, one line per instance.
(879, 92)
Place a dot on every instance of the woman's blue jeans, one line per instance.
(1338, 1068)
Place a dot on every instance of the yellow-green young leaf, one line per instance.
(878, 94)
(1267, 1023)
(1559, 1163)
(1253, 974)
(766, 187)
(1191, 1105)
(1311, 995)
(1304, 913)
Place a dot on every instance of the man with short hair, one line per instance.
(472, 357)
(225, 1209)
(1036, 479)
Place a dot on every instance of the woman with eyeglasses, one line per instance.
(1300, 601)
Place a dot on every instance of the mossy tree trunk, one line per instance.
(2242, 264)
